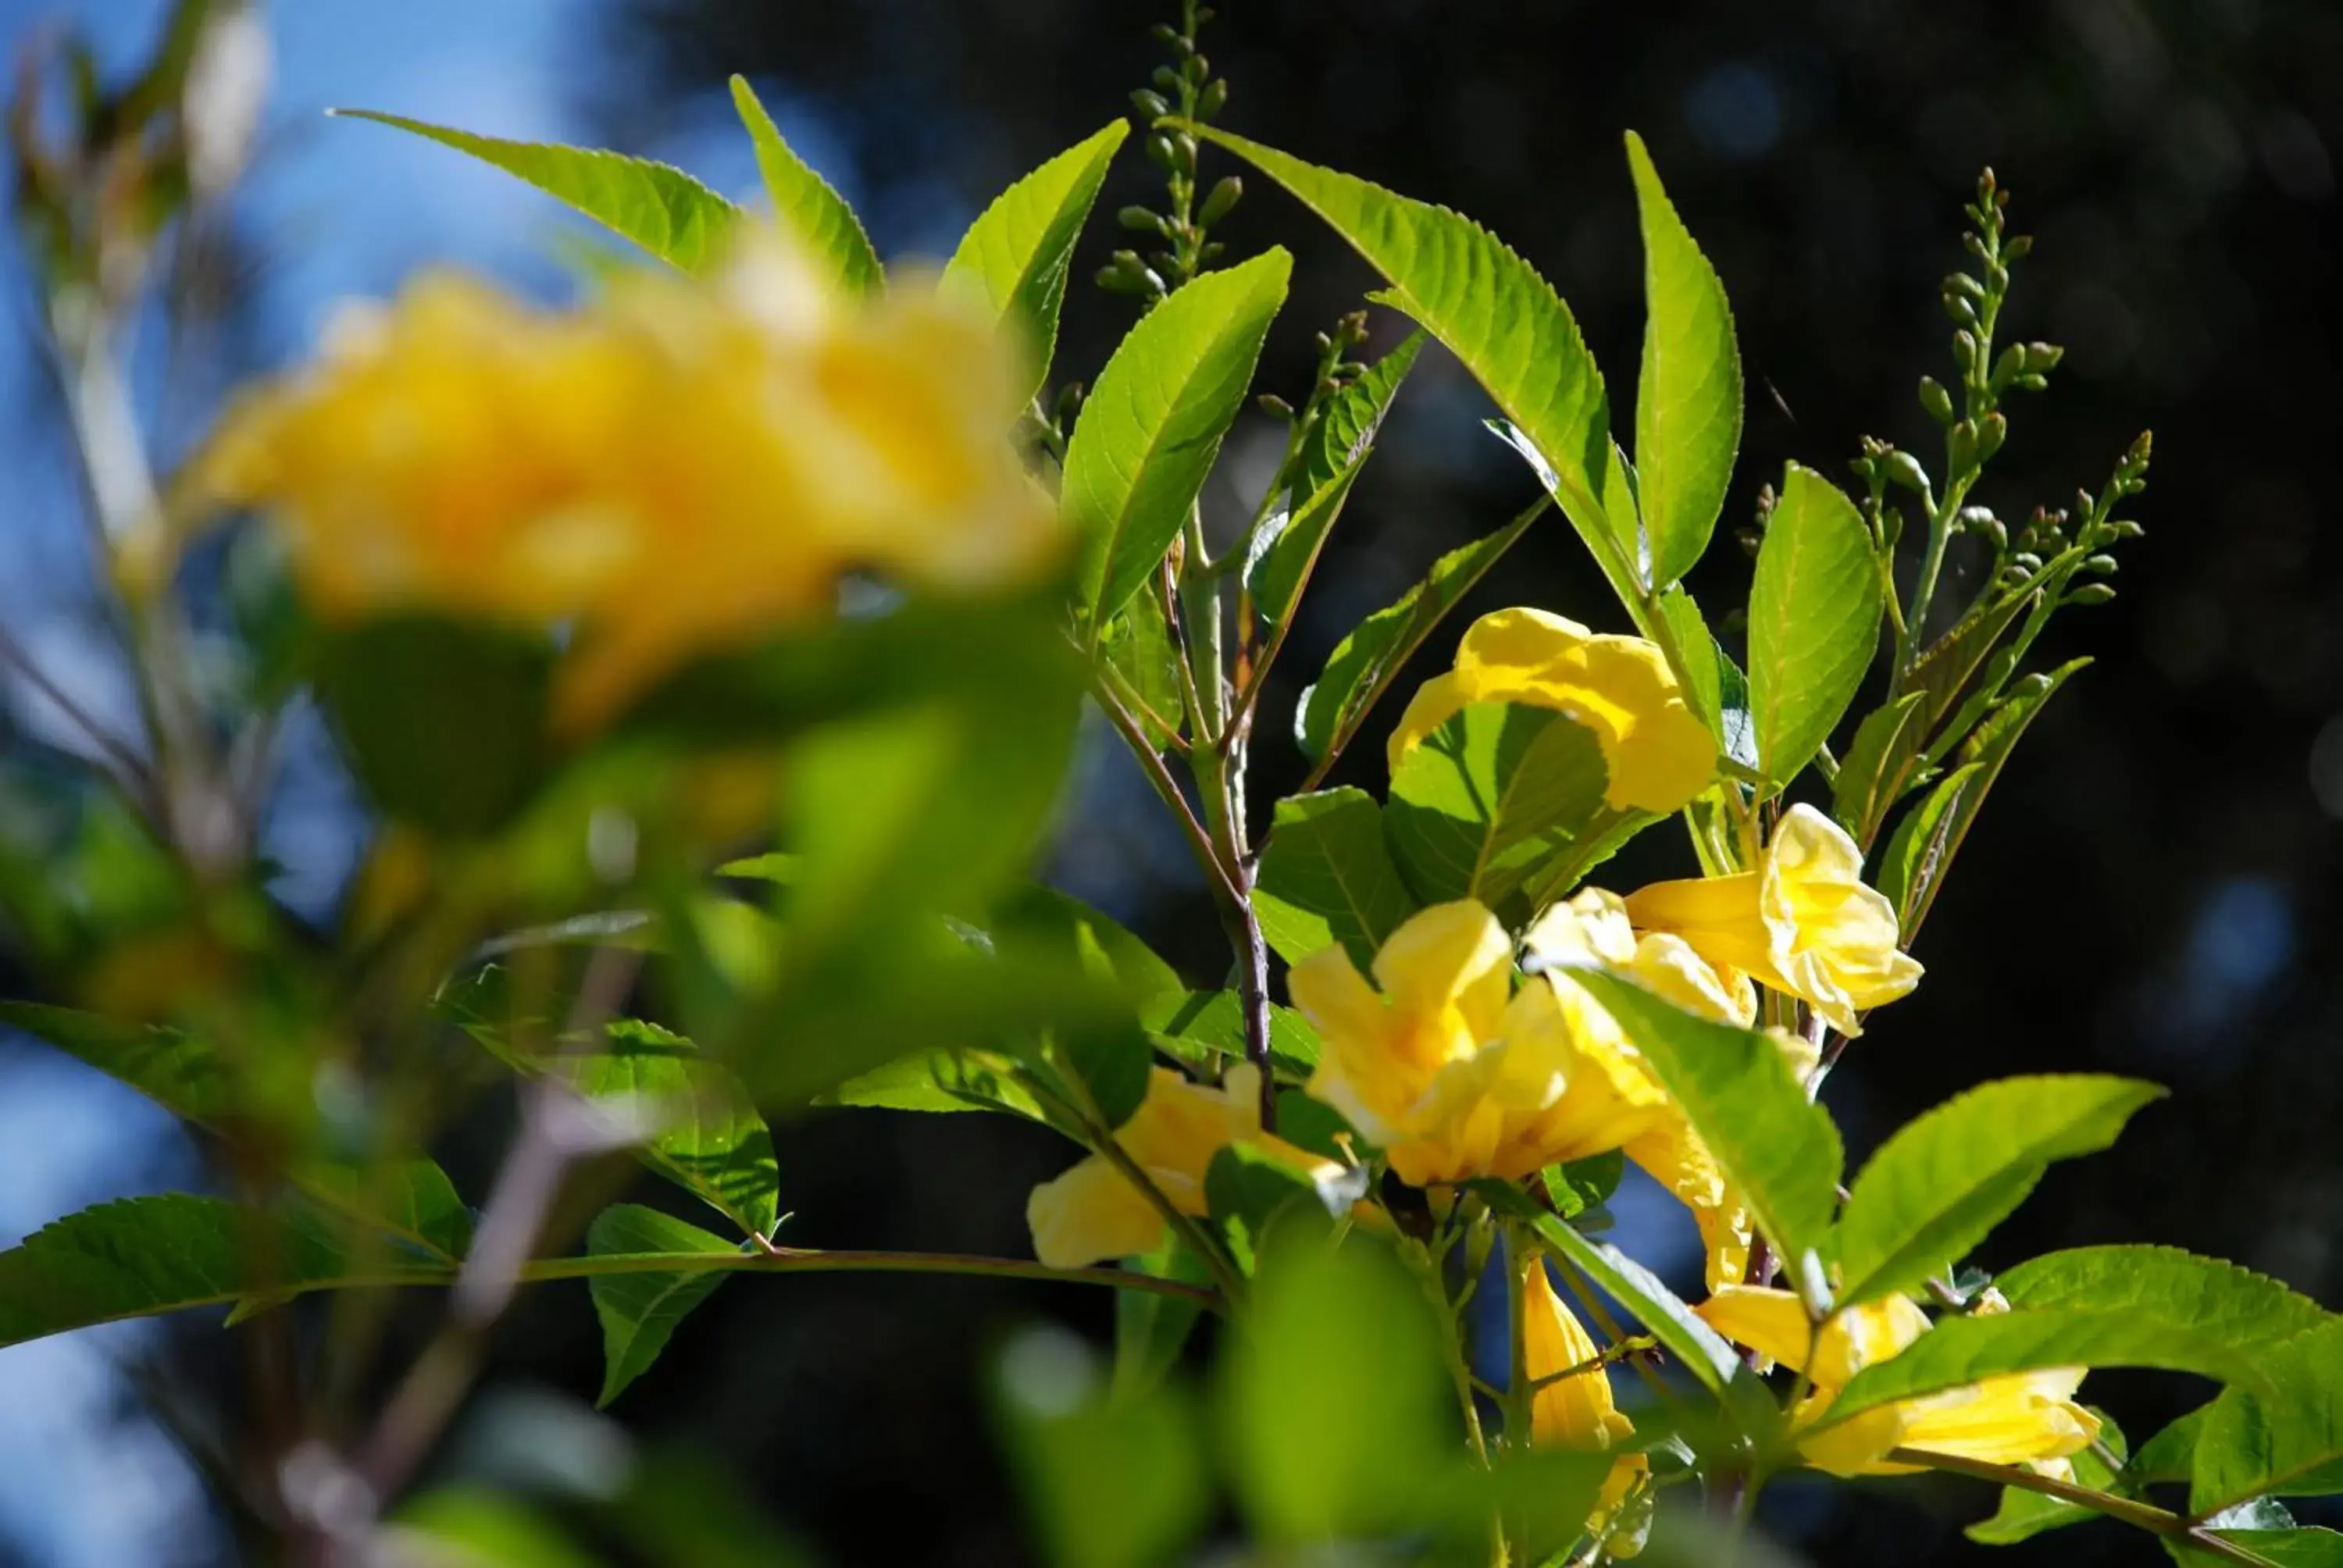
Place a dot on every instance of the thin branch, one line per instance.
(813, 1261)
(1151, 762)
(2145, 1515)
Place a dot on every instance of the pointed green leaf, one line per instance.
(2025, 1514)
(639, 1311)
(940, 1081)
(2282, 1440)
(2242, 1308)
(413, 1200)
(1922, 850)
(1137, 645)
(1688, 400)
(1775, 1148)
(1492, 796)
(1145, 439)
(138, 1257)
(1013, 260)
(1941, 1184)
(710, 1140)
(1495, 313)
(813, 212)
(1814, 620)
(1365, 664)
(1713, 684)
(2306, 1546)
(659, 207)
(1206, 1030)
(1878, 763)
(1150, 1330)
(1326, 878)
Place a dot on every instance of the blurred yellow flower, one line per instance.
(2020, 1418)
(1574, 1411)
(676, 468)
(1659, 754)
(1804, 923)
(1450, 1071)
(1094, 1211)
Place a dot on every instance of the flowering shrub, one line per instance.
(709, 654)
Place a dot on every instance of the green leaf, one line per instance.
(814, 212)
(2170, 1454)
(2306, 1547)
(2242, 1308)
(940, 1081)
(1775, 1148)
(1963, 1350)
(1137, 645)
(1113, 1480)
(1147, 435)
(1941, 1184)
(1714, 685)
(710, 1140)
(1206, 1029)
(2025, 1514)
(2282, 1440)
(1152, 1329)
(1931, 834)
(1942, 672)
(660, 209)
(1814, 620)
(138, 1257)
(1012, 262)
(1497, 314)
(639, 1311)
(413, 1200)
(1364, 663)
(1577, 1186)
(1086, 935)
(1326, 878)
(1490, 798)
(1688, 399)
(1112, 1063)
(468, 1524)
(1878, 765)
(444, 722)
(1331, 460)
(1338, 1417)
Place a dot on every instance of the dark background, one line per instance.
(2150, 891)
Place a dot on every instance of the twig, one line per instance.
(2145, 1515)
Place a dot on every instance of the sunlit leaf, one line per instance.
(2242, 1308)
(639, 1311)
(1878, 763)
(1814, 620)
(2284, 1439)
(1206, 1029)
(710, 1138)
(806, 203)
(1491, 798)
(1326, 878)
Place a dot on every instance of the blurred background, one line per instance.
(2153, 891)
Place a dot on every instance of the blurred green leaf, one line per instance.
(2025, 1514)
(1013, 260)
(1366, 661)
(1206, 1028)
(807, 206)
(1326, 878)
(1332, 455)
(1152, 426)
(660, 209)
(1775, 1148)
(471, 1526)
(639, 1311)
(1495, 794)
(1495, 313)
(2242, 1308)
(443, 721)
(412, 1199)
(939, 1081)
(1688, 398)
(1084, 935)
(710, 1140)
(1814, 620)
(1942, 1181)
(1338, 1416)
(1152, 1329)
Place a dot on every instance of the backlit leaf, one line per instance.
(806, 203)
(1814, 620)
(639, 1311)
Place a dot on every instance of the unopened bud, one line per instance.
(1214, 99)
(2092, 593)
(1990, 435)
(1224, 196)
(1902, 469)
(1140, 220)
(1151, 104)
(1935, 401)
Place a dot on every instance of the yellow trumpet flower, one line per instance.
(1574, 1411)
(678, 467)
(2020, 1418)
(1450, 1071)
(1659, 754)
(1804, 923)
(1093, 1211)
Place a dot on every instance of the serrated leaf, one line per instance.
(807, 203)
(1931, 834)
(1013, 260)
(2307, 1546)
(942, 1081)
(1364, 663)
(711, 1139)
(1497, 315)
(2244, 1310)
(2025, 1514)
(1965, 1349)
(1492, 796)
(166, 1252)
(413, 1200)
(1713, 684)
(1137, 645)
(659, 207)
(1206, 1029)
(1688, 399)
(639, 1311)
(1942, 1181)
(1777, 1148)
(1878, 763)
(1326, 878)
(1814, 620)
(1147, 435)
(1331, 460)
(2282, 1440)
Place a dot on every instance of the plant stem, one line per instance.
(2145, 1515)
(818, 1261)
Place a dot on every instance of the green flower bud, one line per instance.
(2092, 593)
(1151, 104)
(1141, 220)
(1224, 196)
(2099, 565)
(1935, 400)
(1902, 469)
(1990, 435)
(1214, 99)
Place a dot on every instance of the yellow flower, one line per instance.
(1658, 753)
(677, 467)
(2019, 1417)
(1446, 1068)
(1093, 1211)
(1575, 1411)
(1803, 923)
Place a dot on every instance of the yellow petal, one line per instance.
(1090, 1215)
(1574, 1411)
(1772, 1323)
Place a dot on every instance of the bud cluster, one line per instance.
(1184, 93)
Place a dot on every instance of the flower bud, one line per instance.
(1990, 435)
(1935, 400)
(1151, 104)
(2099, 565)
(1214, 99)
(1140, 219)
(2092, 593)
(1222, 200)
(1902, 469)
